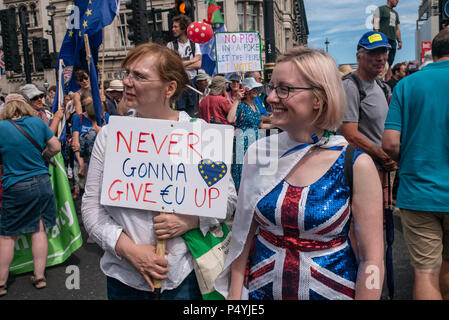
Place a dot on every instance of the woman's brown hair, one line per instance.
(170, 66)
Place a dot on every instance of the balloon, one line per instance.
(200, 32)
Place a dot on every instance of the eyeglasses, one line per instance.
(132, 76)
(283, 92)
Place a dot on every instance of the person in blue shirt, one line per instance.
(82, 124)
(416, 136)
(28, 203)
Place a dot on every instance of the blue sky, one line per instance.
(343, 22)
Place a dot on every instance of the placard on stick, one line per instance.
(168, 166)
(238, 51)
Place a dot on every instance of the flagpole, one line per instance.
(102, 68)
(86, 45)
(60, 94)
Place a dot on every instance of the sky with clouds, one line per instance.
(343, 22)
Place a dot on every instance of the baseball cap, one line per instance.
(30, 91)
(373, 40)
(235, 77)
(412, 67)
(217, 85)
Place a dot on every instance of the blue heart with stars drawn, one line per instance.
(212, 171)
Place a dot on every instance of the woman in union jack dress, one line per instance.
(291, 228)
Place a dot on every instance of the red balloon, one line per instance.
(200, 32)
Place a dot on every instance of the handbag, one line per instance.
(31, 140)
(209, 255)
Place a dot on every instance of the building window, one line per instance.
(248, 13)
(33, 16)
(240, 15)
(158, 18)
(27, 18)
(253, 15)
(123, 31)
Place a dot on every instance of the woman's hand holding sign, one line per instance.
(169, 226)
(144, 258)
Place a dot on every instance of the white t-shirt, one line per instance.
(185, 51)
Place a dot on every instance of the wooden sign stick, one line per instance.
(160, 251)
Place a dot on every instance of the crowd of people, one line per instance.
(313, 229)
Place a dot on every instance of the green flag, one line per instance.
(64, 238)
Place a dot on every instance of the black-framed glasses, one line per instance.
(283, 92)
(133, 76)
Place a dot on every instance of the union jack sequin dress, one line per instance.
(302, 250)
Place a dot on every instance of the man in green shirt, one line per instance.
(386, 20)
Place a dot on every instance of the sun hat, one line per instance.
(217, 85)
(373, 40)
(115, 85)
(251, 83)
(202, 75)
(15, 97)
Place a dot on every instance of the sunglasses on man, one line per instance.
(37, 97)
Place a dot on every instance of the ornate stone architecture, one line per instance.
(289, 20)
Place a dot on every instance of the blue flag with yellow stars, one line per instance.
(87, 17)
(95, 93)
(208, 62)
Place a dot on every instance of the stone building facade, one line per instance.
(289, 20)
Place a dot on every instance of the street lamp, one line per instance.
(327, 44)
(46, 85)
(51, 11)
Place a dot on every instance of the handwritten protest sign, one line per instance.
(168, 166)
(238, 51)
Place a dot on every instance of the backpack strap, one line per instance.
(33, 142)
(175, 45)
(192, 47)
(348, 168)
(358, 83)
(384, 88)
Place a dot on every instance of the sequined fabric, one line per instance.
(302, 250)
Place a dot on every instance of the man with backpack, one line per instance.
(190, 53)
(367, 100)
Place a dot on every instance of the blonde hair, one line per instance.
(321, 73)
(170, 66)
(16, 109)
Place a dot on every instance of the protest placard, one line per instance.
(238, 51)
(168, 166)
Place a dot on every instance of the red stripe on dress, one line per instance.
(335, 224)
(260, 220)
(289, 221)
(332, 283)
(261, 271)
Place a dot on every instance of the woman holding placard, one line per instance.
(291, 227)
(153, 77)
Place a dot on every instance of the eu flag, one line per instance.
(208, 62)
(94, 15)
(95, 92)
